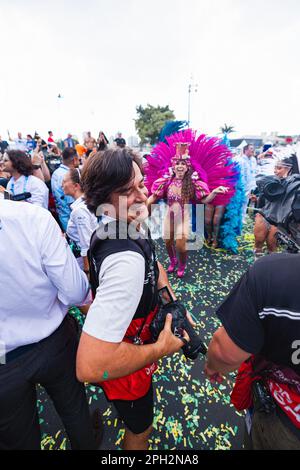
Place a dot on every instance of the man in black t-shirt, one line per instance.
(261, 321)
(120, 141)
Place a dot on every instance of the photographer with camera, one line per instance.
(22, 180)
(264, 231)
(116, 347)
(261, 336)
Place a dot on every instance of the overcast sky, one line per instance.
(105, 57)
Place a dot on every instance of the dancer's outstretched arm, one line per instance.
(213, 194)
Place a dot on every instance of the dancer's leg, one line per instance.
(182, 252)
(218, 215)
(271, 239)
(209, 214)
(260, 234)
(169, 241)
(170, 245)
(182, 231)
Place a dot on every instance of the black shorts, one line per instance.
(137, 414)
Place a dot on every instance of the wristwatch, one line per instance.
(36, 167)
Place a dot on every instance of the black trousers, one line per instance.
(50, 363)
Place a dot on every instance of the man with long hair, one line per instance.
(116, 348)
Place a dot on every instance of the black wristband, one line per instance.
(36, 167)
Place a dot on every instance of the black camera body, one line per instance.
(17, 197)
(179, 323)
(287, 241)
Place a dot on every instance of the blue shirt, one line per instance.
(70, 142)
(62, 202)
(30, 145)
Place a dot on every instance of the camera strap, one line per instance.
(150, 262)
(12, 189)
(76, 250)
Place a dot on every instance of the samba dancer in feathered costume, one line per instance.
(185, 170)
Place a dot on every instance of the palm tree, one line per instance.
(227, 129)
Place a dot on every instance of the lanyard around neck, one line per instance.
(12, 188)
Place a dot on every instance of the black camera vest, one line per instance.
(101, 248)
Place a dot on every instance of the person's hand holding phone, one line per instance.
(37, 157)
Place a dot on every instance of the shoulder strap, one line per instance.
(143, 246)
(101, 248)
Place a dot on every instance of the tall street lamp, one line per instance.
(59, 98)
(193, 87)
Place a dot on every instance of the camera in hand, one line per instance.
(180, 323)
(17, 197)
(262, 399)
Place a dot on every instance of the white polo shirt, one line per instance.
(81, 225)
(248, 168)
(39, 276)
(31, 184)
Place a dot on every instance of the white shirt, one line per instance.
(31, 184)
(81, 225)
(121, 284)
(248, 171)
(39, 276)
(20, 144)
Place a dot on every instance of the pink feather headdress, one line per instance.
(208, 156)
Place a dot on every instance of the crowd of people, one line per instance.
(62, 236)
(51, 146)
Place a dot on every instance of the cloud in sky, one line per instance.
(106, 57)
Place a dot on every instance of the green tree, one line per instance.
(150, 121)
